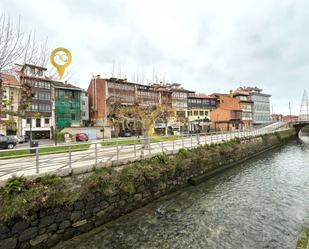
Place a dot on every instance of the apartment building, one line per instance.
(10, 122)
(103, 92)
(228, 115)
(67, 105)
(176, 97)
(39, 116)
(85, 108)
(246, 105)
(261, 104)
(199, 108)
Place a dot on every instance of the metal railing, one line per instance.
(52, 159)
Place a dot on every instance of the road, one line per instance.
(53, 163)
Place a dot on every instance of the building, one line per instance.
(103, 92)
(85, 108)
(261, 104)
(10, 121)
(199, 108)
(246, 105)
(174, 96)
(67, 105)
(289, 118)
(276, 117)
(228, 114)
(39, 117)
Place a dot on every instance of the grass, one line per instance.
(302, 242)
(61, 149)
(131, 141)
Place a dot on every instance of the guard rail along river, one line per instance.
(41, 212)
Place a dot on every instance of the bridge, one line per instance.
(303, 118)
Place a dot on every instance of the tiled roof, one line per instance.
(9, 79)
(59, 84)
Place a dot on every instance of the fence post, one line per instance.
(117, 153)
(134, 147)
(191, 141)
(70, 158)
(96, 153)
(173, 146)
(162, 147)
(37, 160)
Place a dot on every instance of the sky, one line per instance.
(207, 46)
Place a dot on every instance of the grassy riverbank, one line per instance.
(49, 150)
(132, 141)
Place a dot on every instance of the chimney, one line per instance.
(98, 76)
(231, 93)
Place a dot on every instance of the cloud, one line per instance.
(205, 45)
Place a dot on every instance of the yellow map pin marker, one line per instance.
(61, 58)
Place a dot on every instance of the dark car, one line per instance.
(81, 137)
(7, 142)
(125, 133)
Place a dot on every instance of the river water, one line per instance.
(262, 203)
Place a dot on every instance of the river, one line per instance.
(262, 203)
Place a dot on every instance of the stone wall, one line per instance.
(46, 227)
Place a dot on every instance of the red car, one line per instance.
(81, 137)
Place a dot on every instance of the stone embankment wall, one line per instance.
(41, 213)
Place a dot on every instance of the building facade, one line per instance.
(228, 115)
(67, 105)
(39, 117)
(103, 92)
(199, 108)
(246, 105)
(261, 105)
(10, 122)
(85, 108)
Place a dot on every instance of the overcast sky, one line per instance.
(207, 46)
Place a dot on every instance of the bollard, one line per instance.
(96, 153)
(70, 158)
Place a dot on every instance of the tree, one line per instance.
(11, 48)
(146, 116)
(18, 47)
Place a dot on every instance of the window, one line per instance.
(40, 72)
(189, 113)
(38, 122)
(201, 113)
(28, 120)
(73, 116)
(46, 120)
(195, 113)
(84, 114)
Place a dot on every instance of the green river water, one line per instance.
(262, 203)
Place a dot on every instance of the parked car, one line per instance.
(7, 143)
(13, 138)
(23, 139)
(125, 133)
(81, 137)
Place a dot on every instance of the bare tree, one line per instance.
(11, 48)
(16, 47)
